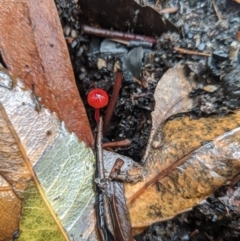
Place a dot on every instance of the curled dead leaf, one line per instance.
(171, 97)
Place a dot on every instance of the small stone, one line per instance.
(197, 40)
(201, 46)
(156, 144)
(209, 45)
(74, 43)
(80, 51)
(83, 69)
(101, 63)
(233, 50)
(74, 33)
(82, 76)
(210, 88)
(190, 35)
(67, 30)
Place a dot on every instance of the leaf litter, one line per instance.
(38, 147)
(141, 81)
(204, 69)
(62, 173)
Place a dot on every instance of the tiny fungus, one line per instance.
(97, 98)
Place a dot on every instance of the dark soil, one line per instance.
(201, 28)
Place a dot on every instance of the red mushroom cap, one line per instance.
(97, 98)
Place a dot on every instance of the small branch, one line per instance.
(187, 51)
(169, 10)
(99, 152)
(103, 212)
(114, 144)
(113, 100)
(116, 34)
(216, 10)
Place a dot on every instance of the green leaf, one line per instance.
(36, 222)
(65, 172)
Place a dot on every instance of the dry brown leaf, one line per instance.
(10, 209)
(34, 49)
(171, 97)
(175, 180)
(14, 177)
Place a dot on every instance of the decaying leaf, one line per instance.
(34, 49)
(171, 97)
(10, 208)
(36, 145)
(124, 13)
(36, 222)
(186, 169)
(14, 177)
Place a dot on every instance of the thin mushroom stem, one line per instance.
(97, 115)
(113, 100)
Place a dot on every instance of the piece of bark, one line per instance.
(33, 48)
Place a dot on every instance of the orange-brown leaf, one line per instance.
(34, 49)
(186, 169)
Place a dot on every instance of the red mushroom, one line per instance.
(97, 98)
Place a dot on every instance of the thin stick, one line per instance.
(105, 223)
(216, 10)
(113, 100)
(169, 10)
(101, 173)
(116, 34)
(122, 143)
(187, 51)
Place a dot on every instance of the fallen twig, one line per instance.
(187, 51)
(113, 100)
(122, 143)
(105, 224)
(169, 10)
(116, 34)
(216, 10)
